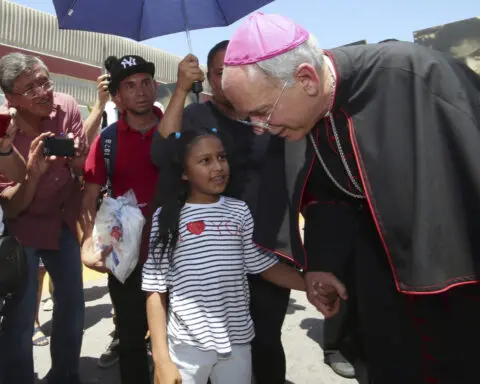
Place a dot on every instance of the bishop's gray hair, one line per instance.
(13, 64)
(283, 66)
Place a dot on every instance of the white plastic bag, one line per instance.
(119, 223)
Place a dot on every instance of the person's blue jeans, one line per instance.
(16, 350)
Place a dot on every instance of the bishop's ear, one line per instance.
(307, 77)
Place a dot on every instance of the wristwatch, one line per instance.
(8, 153)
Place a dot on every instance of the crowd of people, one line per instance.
(375, 145)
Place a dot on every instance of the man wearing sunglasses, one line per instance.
(42, 211)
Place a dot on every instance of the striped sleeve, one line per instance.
(256, 259)
(154, 274)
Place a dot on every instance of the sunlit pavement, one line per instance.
(302, 335)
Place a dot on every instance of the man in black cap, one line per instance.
(133, 86)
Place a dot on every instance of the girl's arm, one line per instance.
(259, 261)
(284, 276)
(157, 324)
(165, 370)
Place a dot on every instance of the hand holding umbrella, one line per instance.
(189, 73)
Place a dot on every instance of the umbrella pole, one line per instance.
(197, 87)
(189, 40)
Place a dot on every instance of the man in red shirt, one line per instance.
(133, 85)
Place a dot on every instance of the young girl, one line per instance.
(201, 249)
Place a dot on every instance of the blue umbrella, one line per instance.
(144, 19)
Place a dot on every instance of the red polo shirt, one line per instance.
(58, 196)
(133, 169)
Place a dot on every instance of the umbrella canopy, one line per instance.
(144, 19)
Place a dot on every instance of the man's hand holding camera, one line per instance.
(37, 162)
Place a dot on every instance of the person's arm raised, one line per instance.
(92, 124)
(188, 72)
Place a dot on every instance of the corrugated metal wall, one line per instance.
(34, 30)
(84, 91)
(38, 31)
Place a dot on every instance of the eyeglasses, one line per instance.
(33, 92)
(266, 124)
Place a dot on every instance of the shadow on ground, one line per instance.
(314, 328)
(95, 293)
(93, 315)
(292, 307)
(92, 374)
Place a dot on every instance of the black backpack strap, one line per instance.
(108, 141)
(5, 229)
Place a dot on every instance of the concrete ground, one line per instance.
(302, 337)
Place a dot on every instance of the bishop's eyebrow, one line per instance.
(259, 109)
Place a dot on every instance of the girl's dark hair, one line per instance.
(217, 48)
(172, 190)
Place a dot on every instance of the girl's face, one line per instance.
(206, 170)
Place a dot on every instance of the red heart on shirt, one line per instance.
(196, 227)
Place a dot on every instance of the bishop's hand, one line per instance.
(324, 291)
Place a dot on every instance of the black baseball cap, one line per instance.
(126, 66)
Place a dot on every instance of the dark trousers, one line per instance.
(412, 339)
(340, 332)
(268, 307)
(129, 302)
(16, 351)
(334, 330)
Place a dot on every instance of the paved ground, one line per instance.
(302, 335)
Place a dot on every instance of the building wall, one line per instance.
(75, 58)
(461, 39)
(38, 31)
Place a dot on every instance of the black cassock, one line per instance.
(409, 123)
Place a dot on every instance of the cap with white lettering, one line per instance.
(126, 66)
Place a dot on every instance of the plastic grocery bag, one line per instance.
(119, 223)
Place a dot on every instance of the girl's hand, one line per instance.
(167, 373)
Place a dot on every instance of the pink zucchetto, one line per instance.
(261, 37)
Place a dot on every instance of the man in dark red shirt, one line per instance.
(133, 84)
(42, 211)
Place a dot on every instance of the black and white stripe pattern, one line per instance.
(206, 281)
